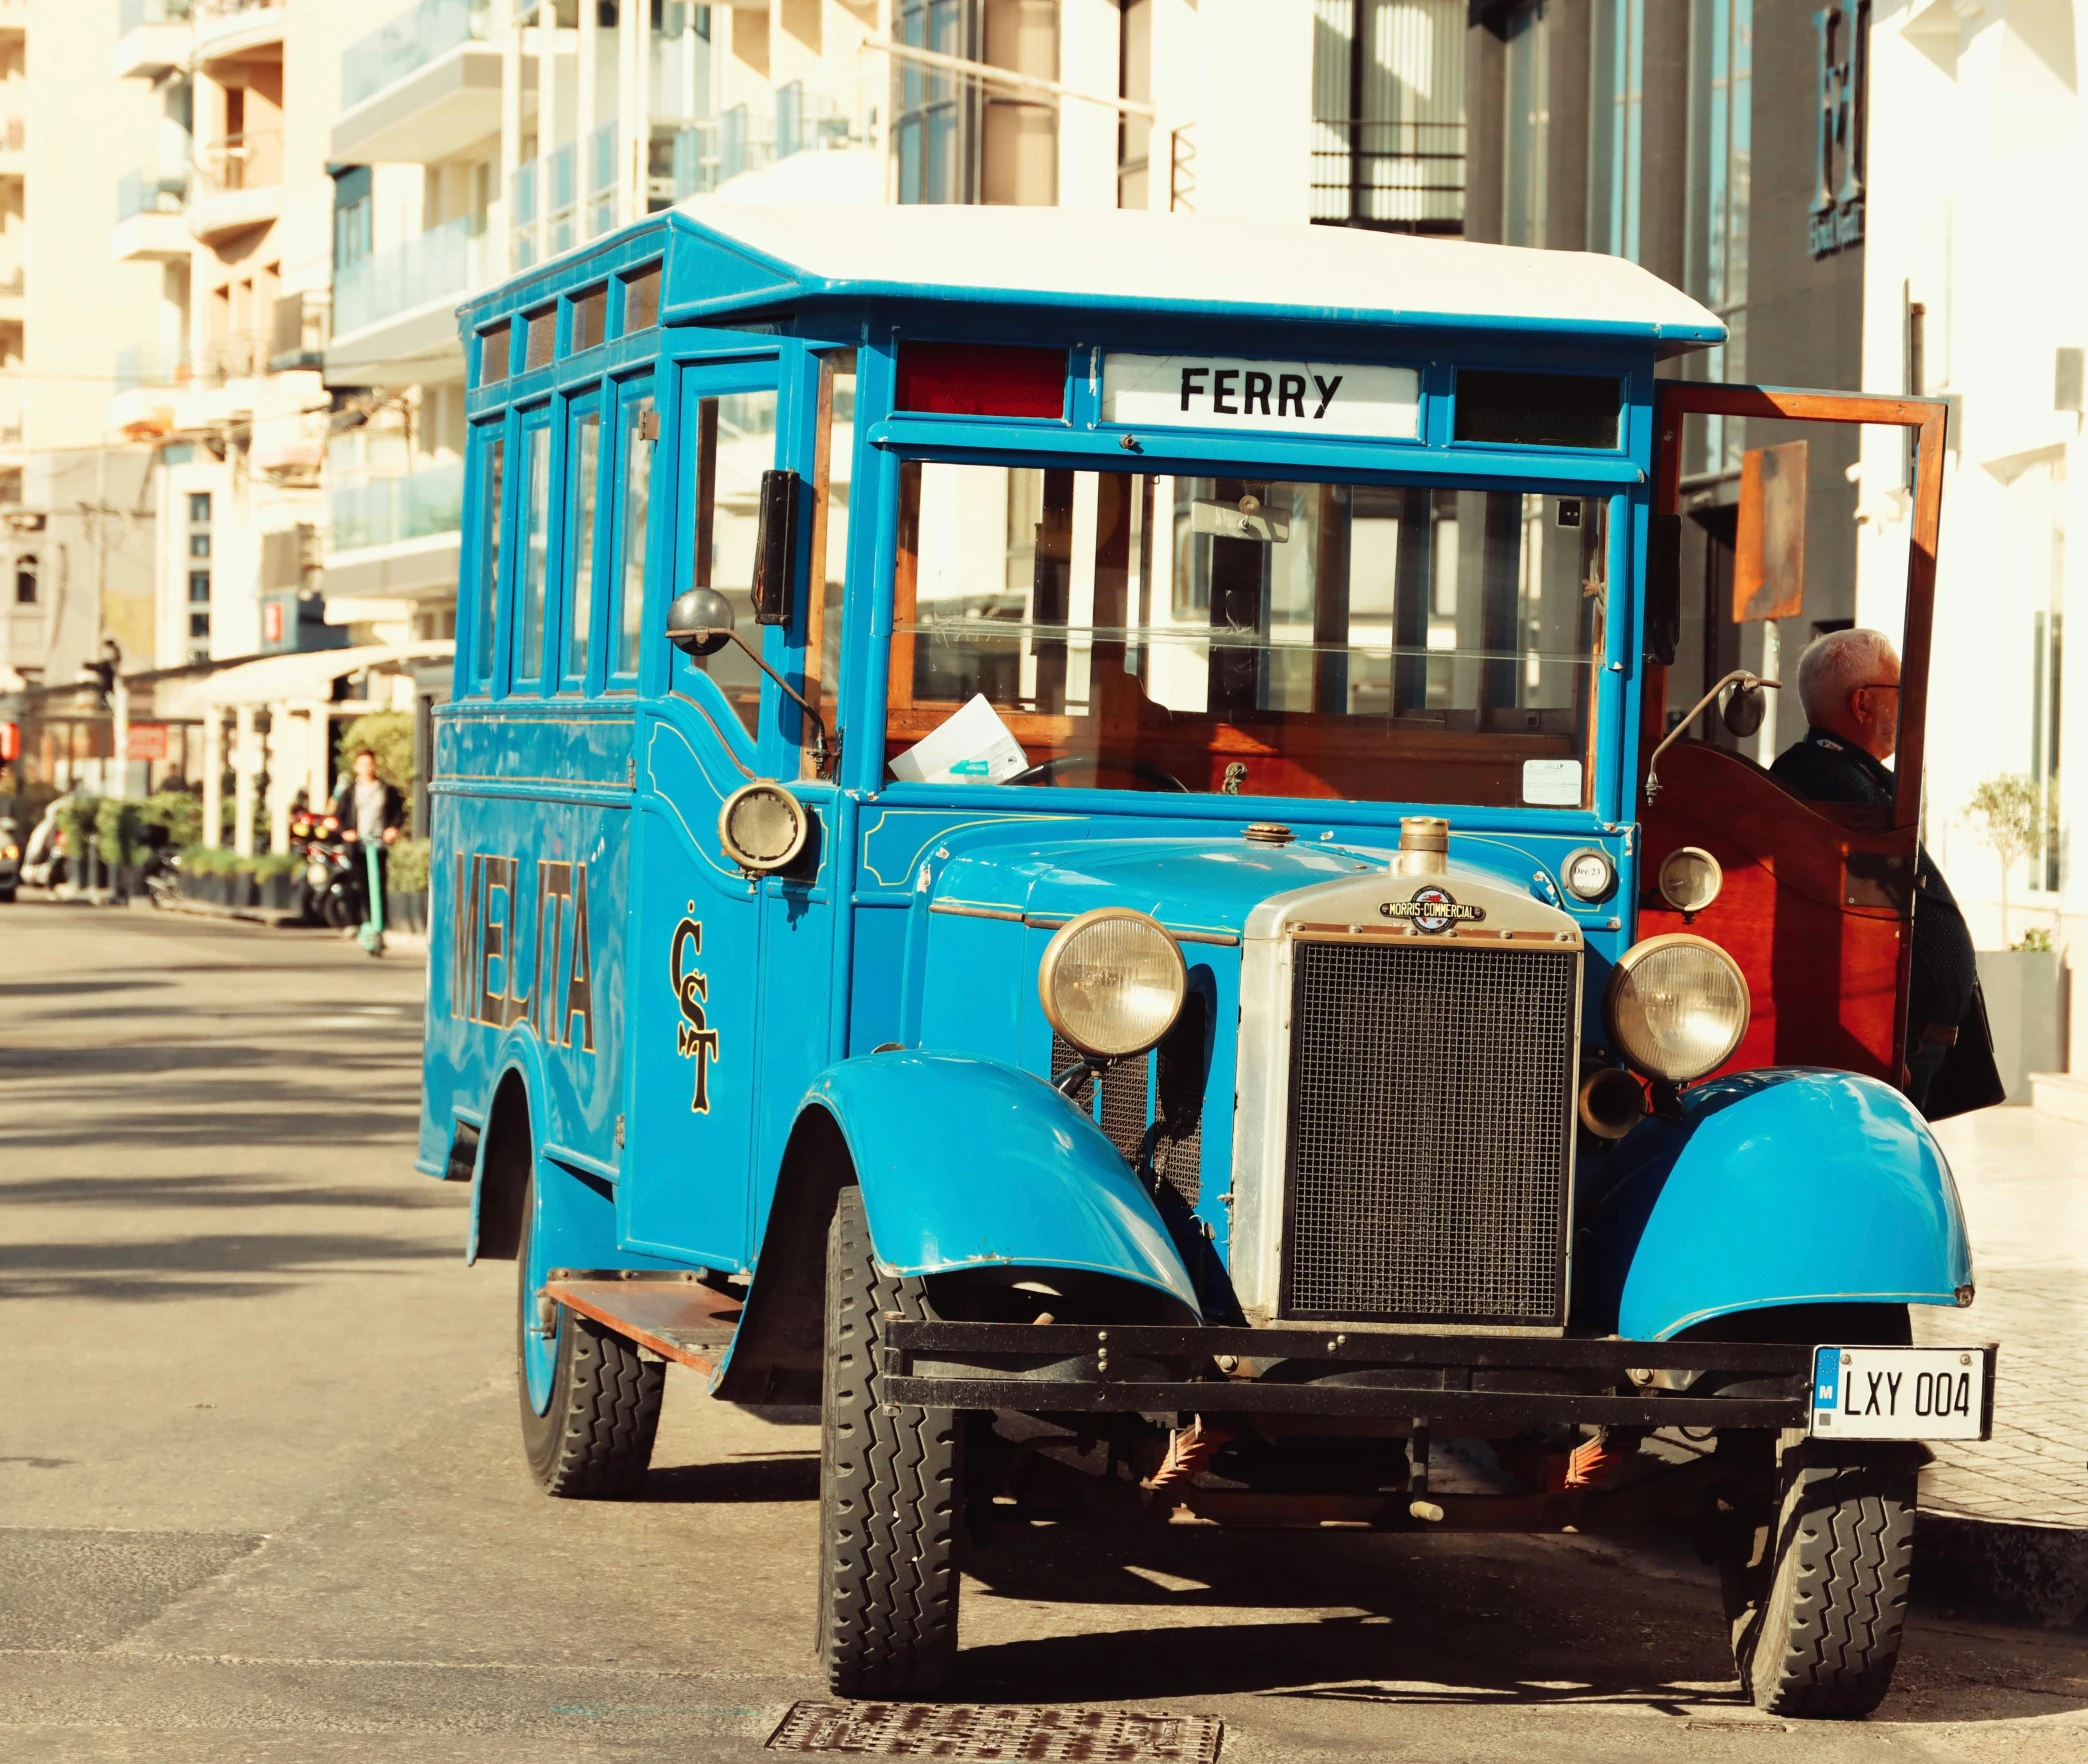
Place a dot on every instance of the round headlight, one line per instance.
(1690, 879)
(762, 827)
(1677, 1006)
(315, 875)
(1112, 981)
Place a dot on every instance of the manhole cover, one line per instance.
(964, 1730)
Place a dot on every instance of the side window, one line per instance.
(535, 542)
(641, 428)
(735, 444)
(584, 450)
(486, 628)
(833, 460)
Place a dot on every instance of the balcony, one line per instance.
(236, 30)
(14, 141)
(151, 218)
(143, 405)
(422, 89)
(14, 288)
(152, 38)
(238, 184)
(396, 538)
(394, 314)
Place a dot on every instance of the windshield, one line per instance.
(1245, 635)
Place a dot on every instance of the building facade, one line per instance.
(1973, 296)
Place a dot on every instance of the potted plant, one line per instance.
(2023, 982)
(406, 887)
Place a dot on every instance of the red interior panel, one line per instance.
(982, 379)
(1812, 909)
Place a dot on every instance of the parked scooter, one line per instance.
(336, 881)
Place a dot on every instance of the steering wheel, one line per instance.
(1047, 773)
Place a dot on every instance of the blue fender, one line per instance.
(966, 1162)
(1781, 1187)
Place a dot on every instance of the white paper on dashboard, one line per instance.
(972, 746)
(1552, 783)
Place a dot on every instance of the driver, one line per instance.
(1848, 682)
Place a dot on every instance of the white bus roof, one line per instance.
(1120, 259)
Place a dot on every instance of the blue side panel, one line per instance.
(1782, 1187)
(529, 893)
(965, 1162)
(876, 973)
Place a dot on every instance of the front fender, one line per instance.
(1780, 1187)
(966, 1162)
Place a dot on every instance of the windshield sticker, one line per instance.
(1434, 910)
(1226, 392)
(1552, 783)
(693, 1036)
(486, 961)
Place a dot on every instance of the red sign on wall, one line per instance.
(271, 621)
(148, 741)
(10, 741)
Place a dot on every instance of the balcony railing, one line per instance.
(250, 161)
(388, 511)
(408, 44)
(445, 262)
(238, 357)
(150, 192)
(1406, 176)
(138, 366)
(14, 134)
(229, 8)
(134, 15)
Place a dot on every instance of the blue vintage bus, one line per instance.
(1060, 833)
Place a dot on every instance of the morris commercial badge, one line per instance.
(1433, 909)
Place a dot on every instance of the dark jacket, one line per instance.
(342, 808)
(1824, 768)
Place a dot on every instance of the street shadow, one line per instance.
(184, 1267)
(1458, 1620)
(67, 988)
(787, 1476)
(217, 1192)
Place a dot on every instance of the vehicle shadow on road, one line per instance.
(1453, 1620)
(785, 1476)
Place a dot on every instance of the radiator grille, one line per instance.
(1430, 1132)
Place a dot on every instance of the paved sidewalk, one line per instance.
(2024, 1179)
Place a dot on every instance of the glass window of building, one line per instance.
(1388, 85)
(1616, 126)
(1721, 113)
(960, 137)
(1526, 148)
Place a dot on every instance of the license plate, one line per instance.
(1901, 1392)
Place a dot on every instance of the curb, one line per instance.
(2041, 1569)
(401, 942)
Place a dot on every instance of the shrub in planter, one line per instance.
(407, 867)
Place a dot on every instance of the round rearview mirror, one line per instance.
(1745, 707)
(700, 621)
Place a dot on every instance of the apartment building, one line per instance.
(1972, 295)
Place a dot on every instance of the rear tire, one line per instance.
(1821, 1634)
(890, 1493)
(593, 1437)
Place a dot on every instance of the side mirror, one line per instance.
(1744, 709)
(775, 546)
(700, 621)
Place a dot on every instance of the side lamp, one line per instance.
(700, 623)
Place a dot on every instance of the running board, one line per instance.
(675, 1315)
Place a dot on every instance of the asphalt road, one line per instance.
(261, 1495)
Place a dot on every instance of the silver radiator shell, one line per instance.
(1367, 914)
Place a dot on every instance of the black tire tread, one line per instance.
(889, 1494)
(604, 1415)
(594, 1440)
(1828, 1635)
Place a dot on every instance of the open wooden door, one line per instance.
(1818, 899)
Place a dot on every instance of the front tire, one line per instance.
(890, 1493)
(1818, 1633)
(590, 1405)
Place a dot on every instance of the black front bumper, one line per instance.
(1454, 1383)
